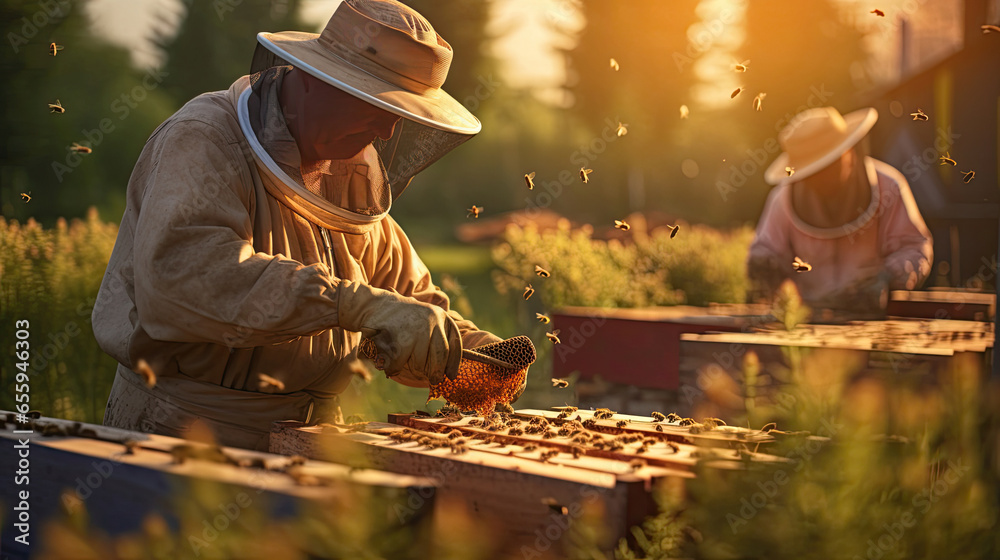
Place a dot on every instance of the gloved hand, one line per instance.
(407, 332)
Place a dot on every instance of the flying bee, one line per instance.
(560, 384)
(758, 102)
(919, 115)
(543, 319)
(528, 292)
(685, 111)
(622, 225)
(77, 148)
(878, 12)
(551, 502)
(54, 48)
(741, 66)
(674, 230)
(789, 171)
(946, 159)
(146, 372)
(614, 65)
(264, 381)
(987, 28)
(735, 93)
(541, 272)
(26, 196)
(622, 129)
(968, 176)
(529, 179)
(553, 337)
(658, 416)
(769, 426)
(585, 174)
(800, 265)
(474, 212)
(56, 107)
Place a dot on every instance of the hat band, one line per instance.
(375, 69)
(801, 153)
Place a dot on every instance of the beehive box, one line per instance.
(530, 485)
(120, 485)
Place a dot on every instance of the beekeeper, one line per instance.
(257, 248)
(849, 216)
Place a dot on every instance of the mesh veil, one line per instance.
(411, 148)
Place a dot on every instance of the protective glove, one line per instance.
(408, 333)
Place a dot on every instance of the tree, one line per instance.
(215, 42)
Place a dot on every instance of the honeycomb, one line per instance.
(480, 386)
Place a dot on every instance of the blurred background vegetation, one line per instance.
(665, 170)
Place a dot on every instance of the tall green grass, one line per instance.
(50, 277)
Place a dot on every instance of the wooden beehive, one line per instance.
(532, 487)
(120, 484)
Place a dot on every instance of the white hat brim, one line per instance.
(435, 109)
(859, 123)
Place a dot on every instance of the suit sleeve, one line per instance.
(906, 243)
(197, 275)
(400, 268)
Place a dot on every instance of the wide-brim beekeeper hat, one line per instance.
(385, 53)
(815, 138)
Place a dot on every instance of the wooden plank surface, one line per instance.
(120, 488)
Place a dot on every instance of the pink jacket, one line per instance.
(890, 235)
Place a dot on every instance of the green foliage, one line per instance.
(110, 106)
(698, 266)
(216, 40)
(931, 491)
(50, 277)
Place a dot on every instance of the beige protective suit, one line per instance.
(213, 281)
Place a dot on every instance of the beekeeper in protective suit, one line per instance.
(257, 244)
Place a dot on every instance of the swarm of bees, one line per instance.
(529, 180)
(553, 337)
(919, 115)
(541, 272)
(800, 265)
(622, 225)
(614, 65)
(585, 174)
(56, 107)
(560, 384)
(543, 319)
(54, 49)
(528, 292)
(474, 211)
